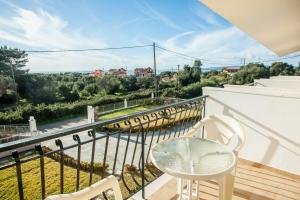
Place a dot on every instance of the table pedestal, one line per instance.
(189, 189)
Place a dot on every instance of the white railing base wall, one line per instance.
(270, 120)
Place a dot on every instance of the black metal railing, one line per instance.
(118, 105)
(118, 146)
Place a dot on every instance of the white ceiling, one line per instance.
(273, 23)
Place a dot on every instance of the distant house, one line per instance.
(98, 73)
(143, 72)
(230, 70)
(118, 72)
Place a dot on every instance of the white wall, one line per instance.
(286, 77)
(279, 83)
(271, 121)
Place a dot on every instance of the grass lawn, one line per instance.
(125, 112)
(170, 119)
(31, 180)
(32, 184)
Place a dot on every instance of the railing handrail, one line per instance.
(56, 134)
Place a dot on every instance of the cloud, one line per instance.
(221, 47)
(156, 15)
(40, 29)
(206, 17)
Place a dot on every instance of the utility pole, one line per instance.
(178, 66)
(243, 61)
(13, 77)
(154, 68)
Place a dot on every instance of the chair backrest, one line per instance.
(92, 191)
(225, 130)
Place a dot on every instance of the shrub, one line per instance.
(71, 162)
(130, 168)
(43, 112)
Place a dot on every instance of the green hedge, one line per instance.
(43, 112)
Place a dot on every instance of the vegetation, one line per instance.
(125, 112)
(189, 74)
(55, 96)
(44, 112)
(31, 180)
(32, 184)
(248, 73)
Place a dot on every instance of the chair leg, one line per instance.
(179, 186)
(197, 189)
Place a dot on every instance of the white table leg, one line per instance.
(226, 185)
(190, 189)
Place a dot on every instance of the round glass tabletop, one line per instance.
(189, 157)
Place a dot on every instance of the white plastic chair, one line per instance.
(224, 130)
(93, 191)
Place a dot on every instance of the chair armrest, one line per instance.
(94, 190)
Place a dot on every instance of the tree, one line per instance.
(110, 84)
(280, 68)
(196, 71)
(129, 83)
(248, 73)
(12, 60)
(190, 74)
(7, 92)
(67, 93)
(169, 92)
(37, 88)
(145, 82)
(297, 72)
(185, 75)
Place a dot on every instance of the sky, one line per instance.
(185, 26)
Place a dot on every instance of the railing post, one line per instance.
(152, 97)
(16, 156)
(203, 115)
(143, 163)
(32, 125)
(77, 139)
(91, 133)
(142, 156)
(39, 149)
(58, 143)
(125, 103)
(91, 114)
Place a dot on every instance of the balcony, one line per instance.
(253, 181)
(72, 159)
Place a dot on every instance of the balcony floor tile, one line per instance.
(253, 181)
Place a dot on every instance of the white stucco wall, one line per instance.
(285, 77)
(271, 120)
(269, 90)
(279, 83)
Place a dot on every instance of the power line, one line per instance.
(159, 47)
(282, 58)
(192, 57)
(81, 50)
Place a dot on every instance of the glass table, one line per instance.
(192, 159)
